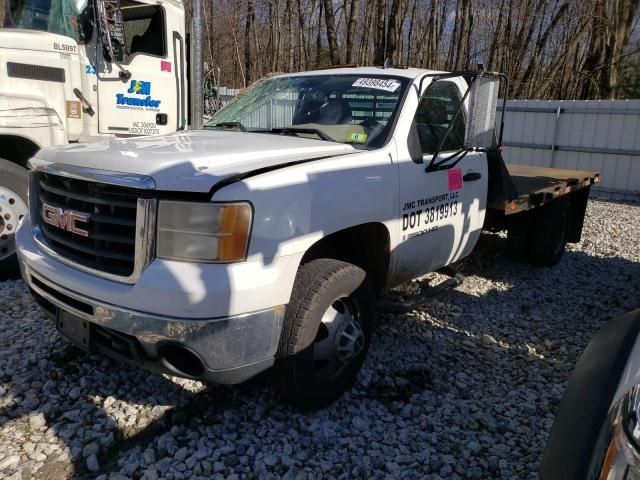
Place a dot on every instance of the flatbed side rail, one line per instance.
(536, 186)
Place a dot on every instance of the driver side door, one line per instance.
(149, 102)
(442, 211)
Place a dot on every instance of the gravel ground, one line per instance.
(465, 387)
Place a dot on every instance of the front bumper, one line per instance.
(231, 349)
(167, 288)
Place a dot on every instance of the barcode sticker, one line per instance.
(388, 85)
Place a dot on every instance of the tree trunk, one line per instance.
(392, 32)
(620, 25)
(289, 39)
(366, 38)
(319, 37)
(467, 21)
(249, 62)
(351, 30)
(539, 47)
(4, 10)
(332, 39)
(379, 52)
(274, 25)
(302, 40)
(410, 43)
(595, 50)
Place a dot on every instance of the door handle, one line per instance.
(472, 176)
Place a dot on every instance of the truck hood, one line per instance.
(20, 39)
(193, 161)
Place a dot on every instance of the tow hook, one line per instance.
(387, 305)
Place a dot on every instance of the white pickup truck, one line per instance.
(264, 240)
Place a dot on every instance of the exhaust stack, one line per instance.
(197, 59)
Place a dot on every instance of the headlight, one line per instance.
(620, 459)
(203, 232)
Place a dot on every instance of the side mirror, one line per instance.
(483, 100)
(112, 30)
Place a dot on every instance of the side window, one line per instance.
(435, 112)
(144, 30)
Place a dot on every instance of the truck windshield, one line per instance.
(354, 109)
(71, 18)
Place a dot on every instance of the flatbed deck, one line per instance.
(535, 186)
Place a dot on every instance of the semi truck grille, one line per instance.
(88, 223)
(35, 72)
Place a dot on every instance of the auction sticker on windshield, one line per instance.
(388, 85)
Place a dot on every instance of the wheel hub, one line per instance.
(349, 341)
(12, 210)
(340, 337)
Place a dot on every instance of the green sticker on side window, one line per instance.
(356, 137)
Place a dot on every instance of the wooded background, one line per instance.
(550, 49)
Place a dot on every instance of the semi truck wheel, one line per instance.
(13, 207)
(326, 333)
(549, 233)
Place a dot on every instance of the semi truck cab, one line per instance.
(76, 71)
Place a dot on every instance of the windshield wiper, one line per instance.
(294, 130)
(237, 125)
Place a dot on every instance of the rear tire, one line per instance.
(13, 205)
(326, 334)
(549, 233)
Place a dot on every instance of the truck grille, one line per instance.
(107, 241)
(35, 72)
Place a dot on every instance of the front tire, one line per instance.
(326, 333)
(13, 207)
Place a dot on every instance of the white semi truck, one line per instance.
(266, 239)
(76, 71)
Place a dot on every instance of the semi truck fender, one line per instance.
(33, 118)
(18, 149)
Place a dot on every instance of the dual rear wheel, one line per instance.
(539, 236)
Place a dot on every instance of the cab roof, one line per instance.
(379, 71)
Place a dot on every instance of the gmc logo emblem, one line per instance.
(64, 219)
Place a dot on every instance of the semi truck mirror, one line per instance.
(483, 100)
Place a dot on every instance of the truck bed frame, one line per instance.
(518, 188)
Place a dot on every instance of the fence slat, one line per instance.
(584, 134)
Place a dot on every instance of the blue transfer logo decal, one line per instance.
(140, 89)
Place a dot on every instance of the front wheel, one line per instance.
(13, 207)
(326, 333)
